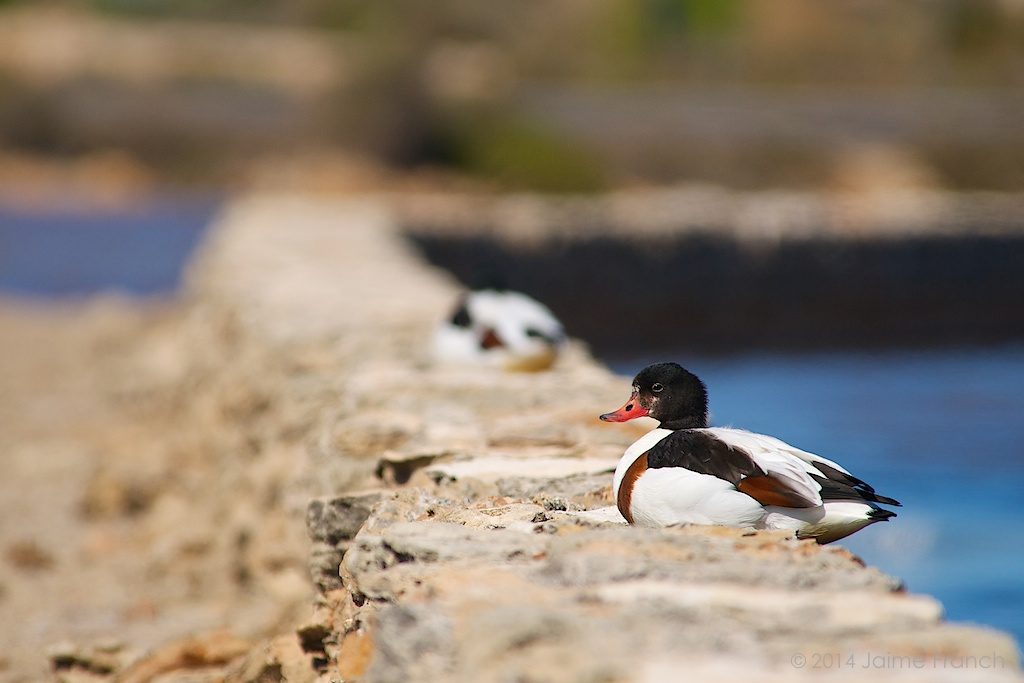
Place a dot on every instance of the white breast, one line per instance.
(674, 495)
(639, 447)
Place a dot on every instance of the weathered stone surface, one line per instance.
(517, 590)
(331, 524)
(337, 520)
(498, 467)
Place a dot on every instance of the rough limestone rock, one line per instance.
(332, 524)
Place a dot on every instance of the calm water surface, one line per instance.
(62, 251)
(940, 431)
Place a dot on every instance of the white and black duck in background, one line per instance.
(687, 472)
(501, 329)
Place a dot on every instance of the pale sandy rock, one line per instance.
(493, 468)
(830, 611)
(527, 597)
(413, 642)
(429, 542)
(281, 659)
(575, 491)
(368, 433)
(199, 652)
(605, 515)
(331, 525)
(516, 516)
(338, 520)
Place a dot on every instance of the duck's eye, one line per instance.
(553, 339)
(461, 317)
(656, 387)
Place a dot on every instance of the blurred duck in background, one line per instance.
(500, 329)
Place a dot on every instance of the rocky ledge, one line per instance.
(459, 521)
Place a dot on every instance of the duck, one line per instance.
(502, 329)
(685, 471)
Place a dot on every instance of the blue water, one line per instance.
(68, 251)
(940, 431)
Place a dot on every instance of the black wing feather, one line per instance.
(702, 453)
(836, 485)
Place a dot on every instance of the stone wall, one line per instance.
(458, 522)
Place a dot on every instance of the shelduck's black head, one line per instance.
(670, 394)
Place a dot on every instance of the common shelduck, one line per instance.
(501, 329)
(686, 472)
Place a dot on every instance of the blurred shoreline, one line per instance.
(716, 271)
(694, 268)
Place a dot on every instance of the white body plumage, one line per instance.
(500, 329)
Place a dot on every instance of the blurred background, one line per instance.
(818, 207)
(554, 96)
